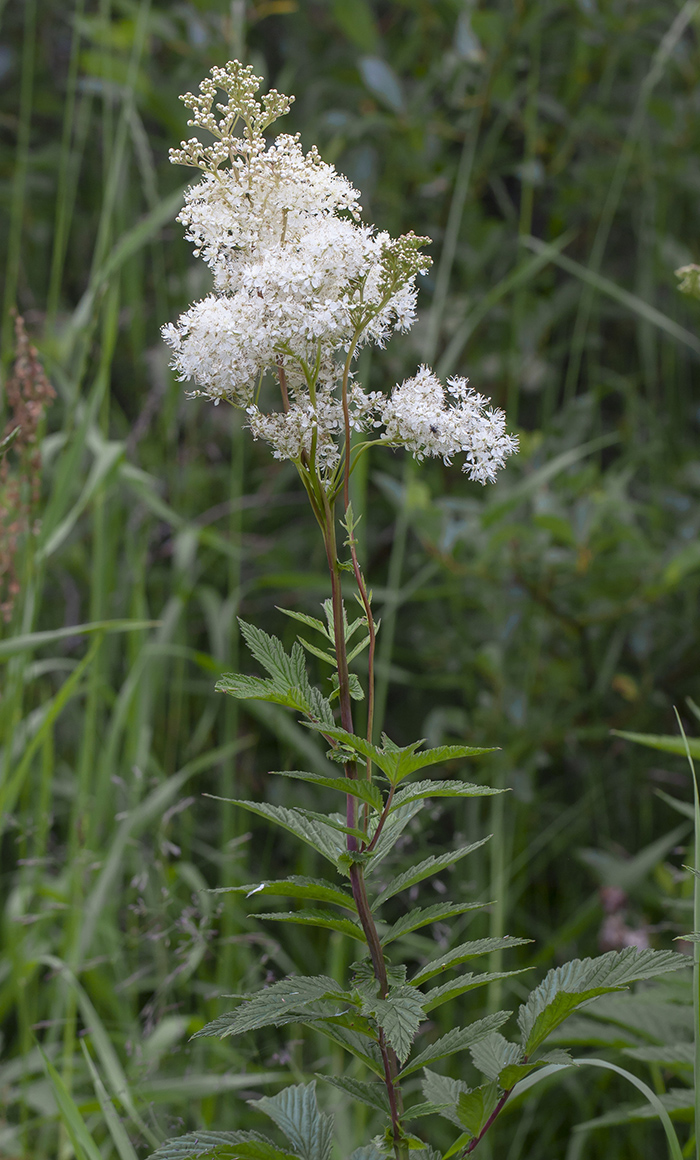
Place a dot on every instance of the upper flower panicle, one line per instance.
(300, 285)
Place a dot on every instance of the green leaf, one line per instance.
(493, 1053)
(220, 1145)
(415, 919)
(358, 1043)
(303, 618)
(373, 1095)
(285, 669)
(436, 996)
(308, 917)
(425, 790)
(295, 1111)
(678, 1102)
(425, 869)
(396, 762)
(475, 1107)
(399, 1015)
(261, 689)
(367, 1152)
(395, 825)
(458, 1039)
(319, 836)
(578, 982)
(464, 952)
(321, 653)
(443, 1091)
(357, 787)
(660, 741)
(334, 821)
(283, 1002)
(294, 887)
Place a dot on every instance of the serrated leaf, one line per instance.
(358, 648)
(257, 689)
(395, 825)
(491, 1054)
(222, 1145)
(356, 691)
(424, 790)
(417, 1111)
(277, 1005)
(398, 762)
(436, 996)
(321, 653)
(415, 919)
(458, 1039)
(399, 1015)
(425, 869)
(319, 918)
(295, 1111)
(368, 1152)
(578, 982)
(475, 1107)
(303, 618)
(444, 1092)
(357, 787)
(372, 1094)
(464, 952)
(362, 1047)
(316, 834)
(320, 707)
(285, 669)
(295, 887)
(334, 821)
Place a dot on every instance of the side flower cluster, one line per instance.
(300, 285)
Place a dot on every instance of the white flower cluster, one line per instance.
(297, 278)
(300, 282)
(429, 420)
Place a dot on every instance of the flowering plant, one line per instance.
(300, 286)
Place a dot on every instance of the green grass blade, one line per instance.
(116, 1129)
(674, 1148)
(83, 1143)
(27, 642)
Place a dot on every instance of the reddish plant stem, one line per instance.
(492, 1118)
(357, 878)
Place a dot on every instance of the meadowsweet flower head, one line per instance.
(429, 420)
(300, 285)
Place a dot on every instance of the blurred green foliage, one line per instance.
(551, 151)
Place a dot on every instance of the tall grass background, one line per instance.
(551, 152)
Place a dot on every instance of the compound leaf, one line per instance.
(283, 1002)
(307, 916)
(372, 1094)
(444, 1092)
(320, 836)
(296, 886)
(399, 1015)
(436, 996)
(457, 1039)
(493, 1053)
(578, 982)
(295, 1111)
(464, 952)
(423, 916)
(220, 1145)
(424, 869)
(357, 787)
(475, 1107)
(425, 790)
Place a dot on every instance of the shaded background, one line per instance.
(551, 152)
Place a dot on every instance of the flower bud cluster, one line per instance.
(300, 284)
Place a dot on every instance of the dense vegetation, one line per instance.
(551, 153)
